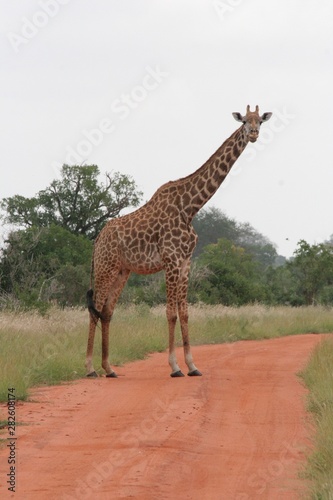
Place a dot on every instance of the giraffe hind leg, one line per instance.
(115, 290)
(95, 315)
(91, 373)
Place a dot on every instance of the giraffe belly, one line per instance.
(144, 262)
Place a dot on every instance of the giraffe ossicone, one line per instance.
(160, 236)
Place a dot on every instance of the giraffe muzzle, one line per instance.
(253, 135)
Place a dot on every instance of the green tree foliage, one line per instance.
(77, 201)
(312, 268)
(256, 244)
(282, 286)
(306, 279)
(48, 258)
(212, 224)
(42, 264)
(234, 278)
(145, 289)
(151, 289)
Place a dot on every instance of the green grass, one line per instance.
(318, 377)
(36, 350)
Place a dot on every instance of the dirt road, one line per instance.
(237, 433)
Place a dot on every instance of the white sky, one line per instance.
(160, 79)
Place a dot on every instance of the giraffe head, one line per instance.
(252, 121)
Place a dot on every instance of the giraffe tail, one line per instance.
(91, 304)
(90, 293)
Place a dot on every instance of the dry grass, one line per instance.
(46, 350)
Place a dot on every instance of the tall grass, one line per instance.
(318, 376)
(38, 350)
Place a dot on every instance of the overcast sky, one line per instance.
(147, 88)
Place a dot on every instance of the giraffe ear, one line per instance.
(238, 117)
(265, 117)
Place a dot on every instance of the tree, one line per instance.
(282, 286)
(256, 244)
(234, 278)
(76, 202)
(151, 289)
(212, 224)
(43, 264)
(312, 266)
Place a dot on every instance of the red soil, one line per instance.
(239, 432)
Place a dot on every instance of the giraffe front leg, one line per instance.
(172, 319)
(171, 312)
(183, 318)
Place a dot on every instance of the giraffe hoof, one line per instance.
(177, 374)
(111, 375)
(92, 375)
(195, 373)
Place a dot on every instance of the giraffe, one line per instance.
(159, 236)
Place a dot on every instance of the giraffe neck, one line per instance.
(200, 186)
